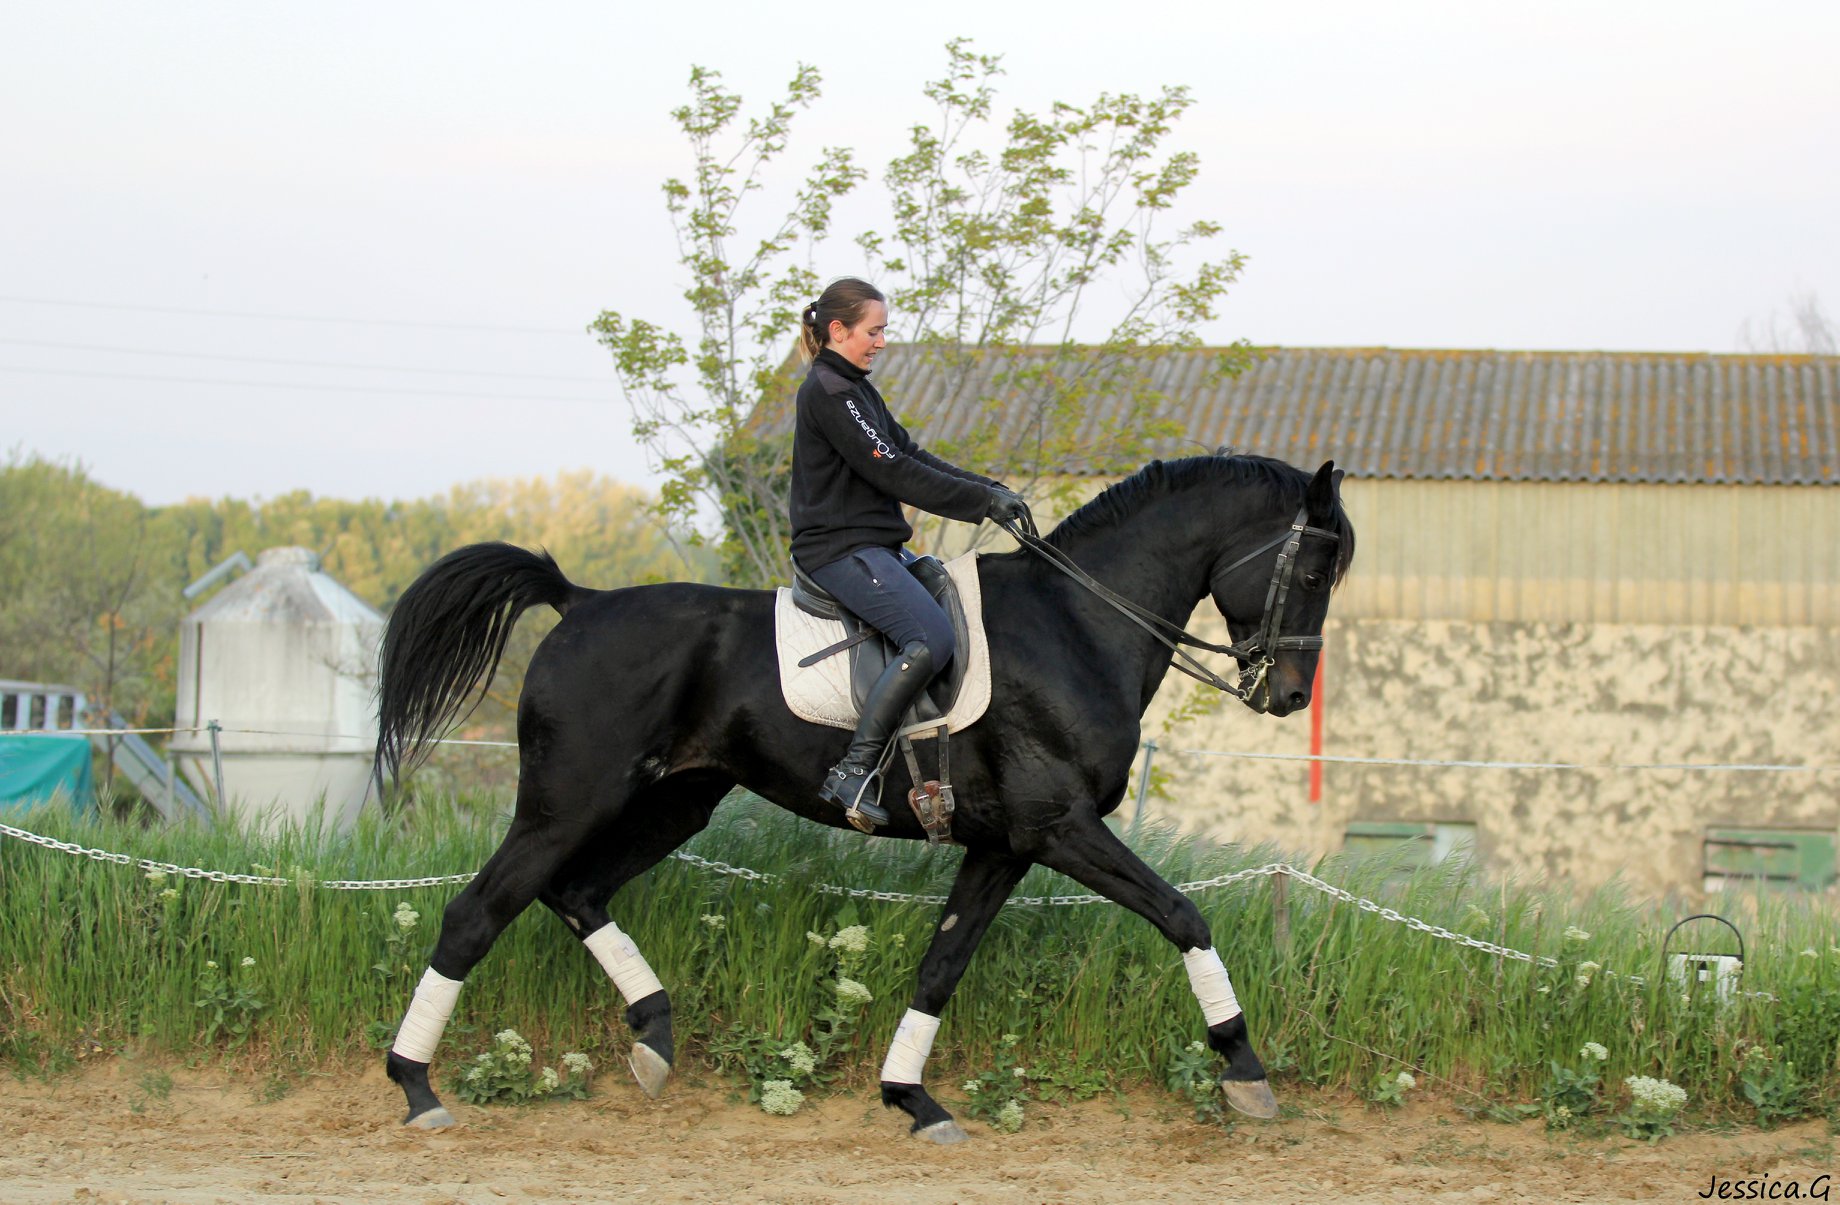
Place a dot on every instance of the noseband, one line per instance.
(1256, 655)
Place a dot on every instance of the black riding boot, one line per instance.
(855, 783)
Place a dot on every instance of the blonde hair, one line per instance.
(843, 300)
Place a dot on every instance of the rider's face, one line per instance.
(860, 344)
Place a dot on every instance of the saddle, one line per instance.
(829, 659)
(870, 651)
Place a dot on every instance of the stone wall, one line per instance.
(1530, 692)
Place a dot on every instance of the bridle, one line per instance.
(1256, 654)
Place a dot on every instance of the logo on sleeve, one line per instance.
(881, 450)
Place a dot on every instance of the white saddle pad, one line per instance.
(820, 693)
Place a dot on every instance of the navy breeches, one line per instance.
(875, 585)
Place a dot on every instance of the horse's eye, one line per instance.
(1312, 581)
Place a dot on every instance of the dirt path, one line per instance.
(103, 1136)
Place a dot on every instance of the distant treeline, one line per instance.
(90, 577)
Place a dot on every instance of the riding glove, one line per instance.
(1007, 506)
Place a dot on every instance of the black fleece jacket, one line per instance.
(853, 466)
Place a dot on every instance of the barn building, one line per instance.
(1624, 563)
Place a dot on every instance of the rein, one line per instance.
(1255, 654)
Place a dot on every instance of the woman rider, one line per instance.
(853, 466)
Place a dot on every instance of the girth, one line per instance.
(870, 651)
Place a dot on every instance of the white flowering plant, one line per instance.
(842, 995)
(780, 1071)
(779, 1097)
(230, 1001)
(997, 1094)
(402, 944)
(1654, 1105)
(1390, 1088)
(507, 1073)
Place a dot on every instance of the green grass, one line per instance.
(93, 952)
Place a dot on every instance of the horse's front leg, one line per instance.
(1092, 854)
(984, 881)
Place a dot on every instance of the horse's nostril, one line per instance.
(1299, 700)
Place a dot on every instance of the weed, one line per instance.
(1772, 1087)
(32, 1056)
(1654, 1105)
(154, 1087)
(779, 1070)
(1389, 1089)
(506, 1074)
(1193, 1078)
(231, 1001)
(998, 1093)
(1569, 1096)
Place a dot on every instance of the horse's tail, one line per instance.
(445, 638)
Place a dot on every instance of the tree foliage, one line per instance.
(1029, 269)
(94, 577)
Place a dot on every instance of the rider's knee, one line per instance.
(921, 657)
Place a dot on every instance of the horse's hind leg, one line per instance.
(984, 881)
(1092, 854)
(647, 831)
(523, 864)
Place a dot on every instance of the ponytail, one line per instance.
(843, 300)
(810, 344)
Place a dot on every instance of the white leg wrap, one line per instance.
(427, 1017)
(913, 1041)
(1207, 975)
(621, 959)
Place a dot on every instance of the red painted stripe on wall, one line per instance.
(1317, 703)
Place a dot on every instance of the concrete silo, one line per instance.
(284, 659)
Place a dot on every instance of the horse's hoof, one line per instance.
(649, 1068)
(437, 1118)
(1251, 1097)
(942, 1133)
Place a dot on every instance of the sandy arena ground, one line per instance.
(99, 1135)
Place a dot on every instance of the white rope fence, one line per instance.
(1248, 755)
(760, 876)
(862, 893)
(222, 731)
(1463, 764)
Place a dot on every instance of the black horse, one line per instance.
(646, 705)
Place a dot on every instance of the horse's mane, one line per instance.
(1281, 485)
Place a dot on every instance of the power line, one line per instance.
(188, 355)
(161, 309)
(130, 376)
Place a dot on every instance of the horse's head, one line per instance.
(1272, 586)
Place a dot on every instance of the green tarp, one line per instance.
(34, 768)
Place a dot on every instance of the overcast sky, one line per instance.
(1627, 176)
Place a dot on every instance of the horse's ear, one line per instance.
(1320, 498)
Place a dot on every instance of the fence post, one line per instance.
(1281, 913)
(1143, 783)
(217, 764)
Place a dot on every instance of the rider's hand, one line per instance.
(1007, 506)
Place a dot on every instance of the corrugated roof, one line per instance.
(1480, 415)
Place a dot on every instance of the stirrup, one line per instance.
(858, 793)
